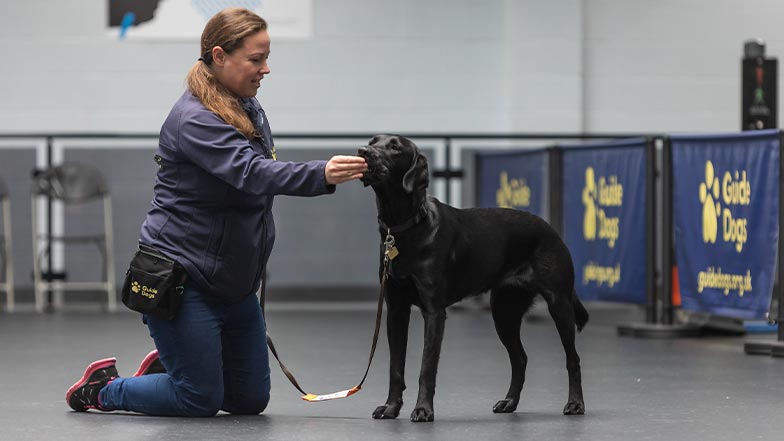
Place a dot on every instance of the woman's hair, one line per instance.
(227, 29)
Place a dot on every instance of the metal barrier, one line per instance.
(448, 151)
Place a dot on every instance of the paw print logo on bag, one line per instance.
(135, 288)
(711, 207)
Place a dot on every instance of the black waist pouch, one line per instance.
(153, 284)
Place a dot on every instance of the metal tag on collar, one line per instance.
(390, 250)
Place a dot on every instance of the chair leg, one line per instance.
(111, 282)
(3, 262)
(7, 258)
(39, 298)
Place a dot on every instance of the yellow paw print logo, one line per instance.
(135, 287)
(709, 195)
(589, 200)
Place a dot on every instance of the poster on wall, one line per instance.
(185, 19)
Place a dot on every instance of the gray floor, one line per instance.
(635, 389)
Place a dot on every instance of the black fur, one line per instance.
(447, 254)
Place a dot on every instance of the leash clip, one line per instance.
(390, 250)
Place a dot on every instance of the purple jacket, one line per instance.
(212, 204)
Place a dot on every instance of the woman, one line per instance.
(211, 212)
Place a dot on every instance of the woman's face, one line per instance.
(242, 70)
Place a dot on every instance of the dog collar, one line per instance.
(394, 229)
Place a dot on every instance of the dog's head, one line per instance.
(394, 161)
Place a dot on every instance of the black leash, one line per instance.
(390, 252)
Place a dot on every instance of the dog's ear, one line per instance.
(417, 177)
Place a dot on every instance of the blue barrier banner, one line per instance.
(605, 217)
(725, 208)
(512, 180)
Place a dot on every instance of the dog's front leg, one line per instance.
(434, 334)
(398, 315)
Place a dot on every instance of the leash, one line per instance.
(390, 252)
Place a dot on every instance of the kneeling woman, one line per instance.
(211, 213)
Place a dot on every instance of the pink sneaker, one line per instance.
(150, 365)
(83, 394)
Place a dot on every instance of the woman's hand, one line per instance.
(344, 168)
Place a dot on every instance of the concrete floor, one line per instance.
(635, 389)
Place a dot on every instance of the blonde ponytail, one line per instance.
(227, 29)
(204, 86)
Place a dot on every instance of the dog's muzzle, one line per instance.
(375, 172)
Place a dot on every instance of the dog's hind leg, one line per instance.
(561, 309)
(398, 317)
(508, 308)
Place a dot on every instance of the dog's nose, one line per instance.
(363, 151)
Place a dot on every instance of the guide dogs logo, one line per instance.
(589, 200)
(143, 290)
(711, 207)
(513, 193)
(734, 191)
(608, 193)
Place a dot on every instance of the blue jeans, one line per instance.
(216, 358)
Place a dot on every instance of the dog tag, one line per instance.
(392, 252)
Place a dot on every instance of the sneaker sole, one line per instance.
(148, 360)
(94, 366)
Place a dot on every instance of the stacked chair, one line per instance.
(72, 183)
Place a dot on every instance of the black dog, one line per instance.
(447, 254)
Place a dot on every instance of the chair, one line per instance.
(72, 183)
(6, 260)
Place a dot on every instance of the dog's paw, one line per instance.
(574, 407)
(507, 405)
(386, 412)
(420, 415)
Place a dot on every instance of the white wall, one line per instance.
(409, 66)
(372, 65)
(672, 65)
(543, 65)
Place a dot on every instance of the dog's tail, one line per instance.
(580, 313)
